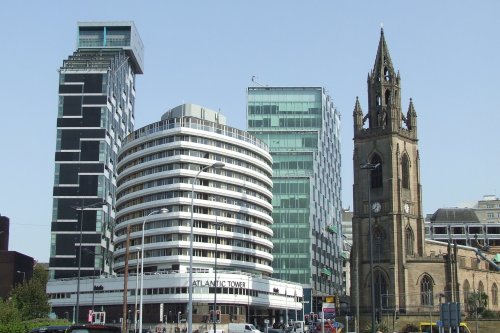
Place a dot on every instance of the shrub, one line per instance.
(410, 328)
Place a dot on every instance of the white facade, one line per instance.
(246, 294)
(156, 167)
(232, 238)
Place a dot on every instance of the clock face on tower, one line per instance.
(376, 207)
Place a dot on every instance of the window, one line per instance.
(466, 292)
(494, 294)
(387, 98)
(405, 166)
(426, 292)
(379, 241)
(380, 290)
(409, 241)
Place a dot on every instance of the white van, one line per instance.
(242, 328)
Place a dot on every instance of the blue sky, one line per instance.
(206, 52)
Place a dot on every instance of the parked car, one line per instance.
(49, 329)
(93, 329)
(242, 328)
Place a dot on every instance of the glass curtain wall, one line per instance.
(299, 125)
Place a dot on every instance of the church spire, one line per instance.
(383, 64)
(357, 114)
(411, 117)
(384, 111)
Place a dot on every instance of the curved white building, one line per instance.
(156, 169)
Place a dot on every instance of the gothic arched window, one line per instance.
(405, 172)
(379, 240)
(480, 293)
(409, 241)
(426, 292)
(387, 97)
(387, 75)
(480, 287)
(380, 290)
(376, 174)
(466, 292)
(494, 294)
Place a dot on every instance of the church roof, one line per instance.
(454, 215)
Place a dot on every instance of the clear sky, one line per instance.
(206, 52)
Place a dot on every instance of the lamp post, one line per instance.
(136, 288)
(93, 277)
(162, 211)
(371, 167)
(93, 289)
(217, 226)
(82, 209)
(216, 165)
(23, 273)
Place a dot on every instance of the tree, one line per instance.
(30, 297)
(8, 312)
(477, 302)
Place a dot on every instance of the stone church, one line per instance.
(410, 275)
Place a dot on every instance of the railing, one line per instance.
(186, 122)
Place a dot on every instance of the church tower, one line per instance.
(388, 226)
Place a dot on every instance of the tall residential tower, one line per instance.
(95, 113)
(302, 129)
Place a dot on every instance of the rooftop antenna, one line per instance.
(256, 82)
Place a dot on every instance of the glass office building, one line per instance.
(95, 113)
(302, 129)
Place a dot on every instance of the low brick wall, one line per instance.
(398, 325)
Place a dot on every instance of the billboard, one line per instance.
(329, 310)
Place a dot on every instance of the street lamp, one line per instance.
(93, 278)
(82, 209)
(371, 167)
(23, 273)
(136, 287)
(160, 211)
(216, 165)
(217, 226)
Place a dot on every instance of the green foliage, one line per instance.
(28, 306)
(26, 326)
(488, 314)
(477, 300)
(30, 297)
(378, 327)
(410, 328)
(8, 313)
